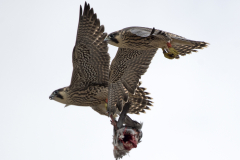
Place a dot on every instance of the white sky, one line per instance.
(196, 113)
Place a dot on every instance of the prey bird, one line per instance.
(125, 137)
(90, 76)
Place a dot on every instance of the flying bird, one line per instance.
(142, 38)
(125, 137)
(90, 76)
(136, 48)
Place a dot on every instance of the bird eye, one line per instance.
(54, 92)
(110, 36)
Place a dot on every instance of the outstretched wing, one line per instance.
(182, 45)
(125, 71)
(90, 57)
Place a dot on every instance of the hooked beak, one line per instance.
(106, 39)
(51, 97)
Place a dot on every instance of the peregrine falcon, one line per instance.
(90, 76)
(137, 47)
(125, 137)
(141, 38)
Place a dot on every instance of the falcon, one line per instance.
(125, 137)
(142, 38)
(136, 48)
(90, 76)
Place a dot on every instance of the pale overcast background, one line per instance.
(196, 112)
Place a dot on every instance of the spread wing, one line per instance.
(125, 71)
(182, 45)
(141, 31)
(90, 58)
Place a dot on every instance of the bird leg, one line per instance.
(106, 103)
(113, 122)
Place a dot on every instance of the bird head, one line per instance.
(114, 39)
(59, 95)
(124, 140)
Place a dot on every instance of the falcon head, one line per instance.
(114, 39)
(59, 95)
(124, 140)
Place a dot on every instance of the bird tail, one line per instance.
(181, 45)
(186, 46)
(140, 101)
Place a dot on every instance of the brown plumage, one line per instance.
(90, 76)
(125, 72)
(137, 47)
(142, 38)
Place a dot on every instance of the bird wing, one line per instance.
(182, 45)
(132, 123)
(140, 31)
(145, 32)
(125, 71)
(90, 55)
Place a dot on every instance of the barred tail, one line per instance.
(186, 46)
(140, 101)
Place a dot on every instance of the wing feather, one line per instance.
(90, 55)
(182, 45)
(125, 71)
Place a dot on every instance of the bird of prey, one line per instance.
(90, 76)
(142, 38)
(136, 48)
(125, 137)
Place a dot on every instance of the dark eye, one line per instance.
(54, 92)
(110, 36)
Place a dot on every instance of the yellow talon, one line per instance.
(173, 53)
(166, 55)
(106, 106)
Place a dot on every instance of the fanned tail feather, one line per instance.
(140, 101)
(189, 47)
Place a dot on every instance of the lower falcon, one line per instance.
(90, 76)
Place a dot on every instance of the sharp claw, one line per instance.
(171, 53)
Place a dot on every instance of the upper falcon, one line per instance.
(137, 47)
(142, 38)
